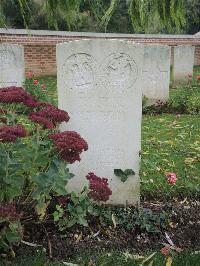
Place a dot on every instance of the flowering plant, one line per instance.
(35, 88)
(33, 158)
(75, 208)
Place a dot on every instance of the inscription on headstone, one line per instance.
(99, 84)
(156, 73)
(11, 65)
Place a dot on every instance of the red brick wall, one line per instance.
(40, 46)
(41, 59)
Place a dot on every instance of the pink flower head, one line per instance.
(44, 86)
(171, 178)
(29, 74)
(165, 251)
(98, 188)
(35, 82)
(198, 78)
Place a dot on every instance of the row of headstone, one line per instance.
(100, 84)
(156, 70)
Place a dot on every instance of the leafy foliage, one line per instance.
(153, 16)
(78, 209)
(123, 175)
(149, 16)
(31, 171)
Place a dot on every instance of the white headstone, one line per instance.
(99, 84)
(156, 73)
(183, 64)
(11, 65)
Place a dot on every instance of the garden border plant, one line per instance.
(34, 158)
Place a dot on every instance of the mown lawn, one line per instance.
(111, 259)
(170, 143)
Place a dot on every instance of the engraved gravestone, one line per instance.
(11, 65)
(183, 64)
(99, 84)
(156, 73)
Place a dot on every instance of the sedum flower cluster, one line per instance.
(11, 133)
(69, 144)
(49, 116)
(17, 95)
(98, 188)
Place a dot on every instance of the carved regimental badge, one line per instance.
(119, 72)
(79, 72)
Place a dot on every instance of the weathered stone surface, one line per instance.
(99, 84)
(11, 65)
(156, 73)
(183, 64)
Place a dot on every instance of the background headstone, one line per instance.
(156, 73)
(183, 64)
(11, 65)
(99, 84)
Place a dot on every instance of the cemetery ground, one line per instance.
(170, 143)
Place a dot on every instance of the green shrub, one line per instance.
(33, 162)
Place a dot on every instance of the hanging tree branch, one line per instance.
(146, 15)
(169, 13)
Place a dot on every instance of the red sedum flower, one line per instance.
(198, 78)
(17, 95)
(12, 95)
(98, 188)
(69, 144)
(42, 121)
(49, 116)
(11, 133)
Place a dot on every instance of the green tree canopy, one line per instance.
(128, 16)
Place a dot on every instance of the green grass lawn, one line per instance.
(111, 259)
(170, 143)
